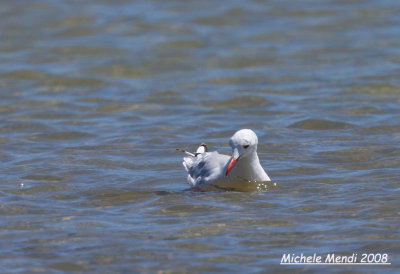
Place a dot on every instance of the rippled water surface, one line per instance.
(95, 96)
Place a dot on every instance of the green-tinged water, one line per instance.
(95, 97)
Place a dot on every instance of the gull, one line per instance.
(205, 167)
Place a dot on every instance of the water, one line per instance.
(96, 95)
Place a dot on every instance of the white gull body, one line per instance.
(211, 167)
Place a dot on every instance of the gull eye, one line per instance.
(245, 146)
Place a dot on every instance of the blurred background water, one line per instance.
(96, 95)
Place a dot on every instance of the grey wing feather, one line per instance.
(205, 167)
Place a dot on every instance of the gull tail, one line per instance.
(186, 152)
(189, 160)
(201, 149)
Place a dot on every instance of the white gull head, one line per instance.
(206, 167)
(244, 144)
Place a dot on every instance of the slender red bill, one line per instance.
(231, 164)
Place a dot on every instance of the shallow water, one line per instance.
(95, 96)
